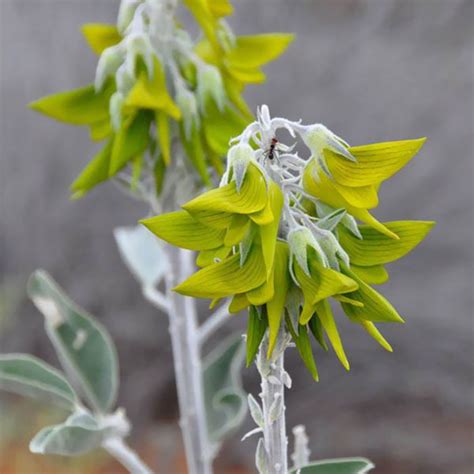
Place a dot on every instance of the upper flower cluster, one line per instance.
(155, 86)
(280, 233)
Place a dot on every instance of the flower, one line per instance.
(269, 237)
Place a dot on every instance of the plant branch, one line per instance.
(156, 298)
(214, 322)
(118, 449)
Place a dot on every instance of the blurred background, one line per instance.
(371, 70)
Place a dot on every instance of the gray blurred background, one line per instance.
(371, 70)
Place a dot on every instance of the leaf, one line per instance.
(376, 307)
(276, 306)
(374, 275)
(256, 50)
(152, 93)
(325, 315)
(75, 437)
(131, 140)
(83, 345)
(377, 249)
(96, 172)
(100, 36)
(81, 106)
(374, 163)
(31, 377)
(303, 345)
(252, 196)
(226, 278)
(256, 326)
(336, 466)
(180, 229)
(224, 397)
(255, 411)
(142, 253)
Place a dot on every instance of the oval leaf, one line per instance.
(336, 466)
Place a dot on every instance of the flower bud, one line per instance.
(238, 159)
(318, 138)
(115, 109)
(139, 45)
(125, 14)
(331, 247)
(124, 80)
(210, 86)
(109, 61)
(187, 103)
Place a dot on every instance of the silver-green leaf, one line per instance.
(84, 347)
(336, 466)
(31, 377)
(224, 397)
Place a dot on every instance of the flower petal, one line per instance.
(374, 275)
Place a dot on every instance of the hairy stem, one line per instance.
(118, 449)
(187, 365)
(273, 380)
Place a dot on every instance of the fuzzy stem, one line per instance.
(118, 449)
(187, 365)
(272, 375)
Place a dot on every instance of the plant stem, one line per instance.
(118, 449)
(273, 379)
(187, 365)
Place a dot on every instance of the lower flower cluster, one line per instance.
(279, 237)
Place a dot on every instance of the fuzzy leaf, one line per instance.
(180, 229)
(377, 249)
(226, 278)
(31, 377)
(100, 36)
(142, 253)
(81, 106)
(336, 466)
(256, 327)
(83, 345)
(224, 396)
(252, 196)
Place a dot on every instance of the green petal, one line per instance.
(96, 172)
(252, 196)
(375, 333)
(363, 197)
(303, 345)
(269, 232)
(325, 315)
(214, 219)
(180, 229)
(81, 106)
(100, 130)
(375, 162)
(276, 305)
(195, 152)
(237, 230)
(220, 8)
(208, 257)
(256, 326)
(163, 134)
(346, 299)
(376, 307)
(152, 93)
(238, 303)
(377, 249)
(317, 329)
(256, 50)
(226, 278)
(263, 293)
(374, 275)
(246, 75)
(100, 36)
(131, 140)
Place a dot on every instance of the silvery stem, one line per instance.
(273, 379)
(187, 365)
(118, 449)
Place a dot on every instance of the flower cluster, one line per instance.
(155, 86)
(279, 235)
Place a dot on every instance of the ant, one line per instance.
(271, 151)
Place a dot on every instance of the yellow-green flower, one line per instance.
(270, 239)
